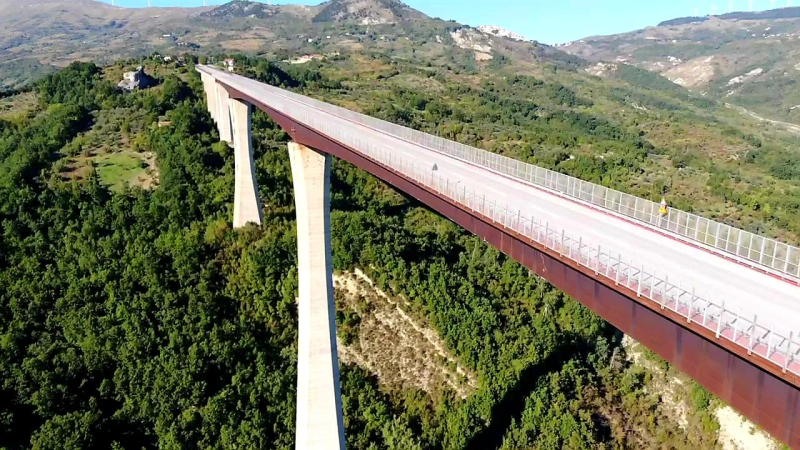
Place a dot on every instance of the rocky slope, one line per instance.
(750, 59)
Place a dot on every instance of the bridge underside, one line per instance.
(764, 394)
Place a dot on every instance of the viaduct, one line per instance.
(719, 303)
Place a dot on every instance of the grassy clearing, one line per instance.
(17, 106)
(117, 170)
(110, 147)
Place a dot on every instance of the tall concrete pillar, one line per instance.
(319, 403)
(246, 202)
(210, 89)
(224, 115)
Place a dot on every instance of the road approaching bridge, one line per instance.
(721, 304)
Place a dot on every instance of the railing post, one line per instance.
(789, 355)
(719, 320)
(739, 242)
(580, 249)
(752, 335)
(569, 248)
(705, 313)
(775, 254)
(562, 243)
(619, 269)
(639, 286)
(691, 305)
(669, 219)
(597, 266)
(678, 299)
(652, 284)
(686, 225)
(736, 324)
(628, 274)
(530, 235)
(788, 258)
(769, 342)
(653, 215)
(539, 232)
(763, 247)
(696, 228)
(546, 233)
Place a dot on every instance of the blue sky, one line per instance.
(549, 21)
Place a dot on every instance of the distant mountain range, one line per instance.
(35, 37)
(365, 12)
(781, 13)
(749, 59)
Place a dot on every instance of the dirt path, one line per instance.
(792, 128)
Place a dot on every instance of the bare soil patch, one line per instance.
(402, 351)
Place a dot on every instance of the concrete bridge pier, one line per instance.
(210, 89)
(246, 202)
(319, 405)
(224, 118)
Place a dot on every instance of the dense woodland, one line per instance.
(141, 319)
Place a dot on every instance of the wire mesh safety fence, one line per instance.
(780, 258)
(781, 347)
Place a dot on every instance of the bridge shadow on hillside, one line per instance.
(513, 403)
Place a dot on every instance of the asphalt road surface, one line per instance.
(715, 278)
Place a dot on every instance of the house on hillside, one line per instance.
(306, 58)
(137, 79)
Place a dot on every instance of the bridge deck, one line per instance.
(776, 302)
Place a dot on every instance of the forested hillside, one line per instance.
(133, 316)
(141, 319)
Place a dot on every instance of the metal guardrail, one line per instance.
(758, 251)
(777, 346)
